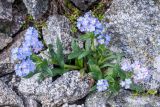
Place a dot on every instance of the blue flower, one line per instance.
(141, 74)
(38, 47)
(87, 23)
(23, 53)
(126, 65)
(107, 39)
(14, 54)
(102, 85)
(20, 53)
(103, 39)
(126, 84)
(24, 68)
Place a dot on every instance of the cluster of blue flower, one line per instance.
(126, 83)
(22, 54)
(102, 85)
(140, 73)
(88, 23)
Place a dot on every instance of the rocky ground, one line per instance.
(134, 29)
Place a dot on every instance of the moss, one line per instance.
(99, 9)
(72, 13)
(29, 21)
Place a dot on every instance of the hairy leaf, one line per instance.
(96, 72)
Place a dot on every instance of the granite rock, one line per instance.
(11, 24)
(29, 102)
(6, 63)
(72, 105)
(83, 4)
(8, 97)
(135, 29)
(97, 99)
(67, 88)
(4, 40)
(123, 99)
(36, 8)
(5, 10)
(58, 27)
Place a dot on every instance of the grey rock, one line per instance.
(6, 63)
(72, 105)
(36, 8)
(67, 88)
(123, 99)
(19, 17)
(8, 97)
(4, 40)
(13, 24)
(29, 102)
(5, 10)
(98, 99)
(127, 99)
(135, 29)
(58, 27)
(83, 4)
(6, 68)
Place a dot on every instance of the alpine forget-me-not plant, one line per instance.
(31, 44)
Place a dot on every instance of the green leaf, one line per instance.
(76, 51)
(136, 88)
(82, 72)
(119, 57)
(79, 62)
(60, 56)
(96, 72)
(91, 61)
(110, 79)
(121, 73)
(115, 87)
(41, 77)
(43, 67)
(74, 55)
(93, 88)
(30, 74)
(87, 36)
(74, 46)
(83, 54)
(52, 54)
(49, 71)
(87, 45)
(36, 58)
(57, 71)
(106, 65)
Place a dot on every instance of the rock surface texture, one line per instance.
(4, 40)
(135, 29)
(98, 99)
(5, 10)
(83, 4)
(67, 88)
(58, 27)
(12, 16)
(8, 97)
(36, 8)
(6, 63)
(123, 99)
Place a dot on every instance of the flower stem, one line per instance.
(92, 44)
(71, 67)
